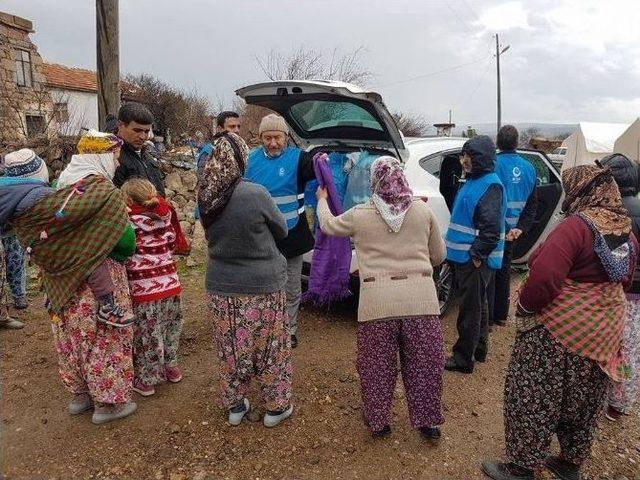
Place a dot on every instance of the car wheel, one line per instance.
(443, 277)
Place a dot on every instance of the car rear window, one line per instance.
(312, 115)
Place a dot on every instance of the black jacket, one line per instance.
(133, 164)
(300, 240)
(487, 216)
(626, 174)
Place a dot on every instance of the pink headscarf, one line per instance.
(392, 195)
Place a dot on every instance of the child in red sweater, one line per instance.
(155, 288)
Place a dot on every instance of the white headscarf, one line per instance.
(86, 164)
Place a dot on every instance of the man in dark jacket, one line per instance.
(475, 246)
(134, 125)
(519, 179)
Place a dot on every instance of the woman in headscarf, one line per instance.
(571, 313)
(398, 243)
(71, 233)
(245, 280)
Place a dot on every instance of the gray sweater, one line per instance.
(243, 257)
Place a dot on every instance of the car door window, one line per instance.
(543, 171)
(432, 164)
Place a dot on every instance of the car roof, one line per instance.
(427, 145)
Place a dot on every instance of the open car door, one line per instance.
(445, 166)
(324, 114)
(550, 197)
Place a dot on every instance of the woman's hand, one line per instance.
(322, 193)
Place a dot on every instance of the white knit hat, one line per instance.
(273, 123)
(26, 164)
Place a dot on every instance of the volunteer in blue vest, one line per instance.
(475, 245)
(518, 176)
(284, 171)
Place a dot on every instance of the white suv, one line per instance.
(339, 117)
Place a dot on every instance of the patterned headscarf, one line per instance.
(591, 191)
(391, 194)
(220, 175)
(98, 142)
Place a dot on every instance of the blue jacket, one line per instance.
(519, 179)
(463, 231)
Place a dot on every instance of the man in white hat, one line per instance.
(284, 171)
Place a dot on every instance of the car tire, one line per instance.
(444, 278)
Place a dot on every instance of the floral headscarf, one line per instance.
(592, 192)
(391, 194)
(220, 175)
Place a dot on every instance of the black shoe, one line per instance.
(500, 323)
(506, 471)
(294, 341)
(386, 430)
(480, 356)
(452, 366)
(431, 433)
(562, 469)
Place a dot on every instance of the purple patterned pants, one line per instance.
(421, 346)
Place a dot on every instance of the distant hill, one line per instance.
(548, 130)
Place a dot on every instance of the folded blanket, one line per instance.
(329, 279)
(71, 232)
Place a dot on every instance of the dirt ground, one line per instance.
(181, 433)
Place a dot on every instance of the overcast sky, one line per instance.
(569, 60)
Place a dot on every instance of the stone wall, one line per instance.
(18, 101)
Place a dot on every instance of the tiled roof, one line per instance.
(80, 79)
(67, 78)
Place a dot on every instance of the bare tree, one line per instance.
(411, 125)
(309, 64)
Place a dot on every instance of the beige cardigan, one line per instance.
(396, 269)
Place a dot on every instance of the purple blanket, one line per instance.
(329, 279)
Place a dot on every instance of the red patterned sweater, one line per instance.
(151, 270)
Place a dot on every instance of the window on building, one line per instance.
(35, 125)
(23, 67)
(62, 112)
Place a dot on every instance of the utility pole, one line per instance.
(499, 96)
(108, 59)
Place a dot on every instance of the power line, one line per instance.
(437, 72)
(464, 24)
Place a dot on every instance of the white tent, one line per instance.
(590, 142)
(629, 142)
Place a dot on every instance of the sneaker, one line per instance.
(21, 303)
(115, 412)
(143, 389)
(271, 419)
(80, 404)
(173, 374)
(237, 413)
(431, 433)
(563, 469)
(11, 323)
(612, 414)
(506, 471)
(112, 315)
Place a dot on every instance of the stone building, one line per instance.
(27, 113)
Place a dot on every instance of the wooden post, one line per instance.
(108, 59)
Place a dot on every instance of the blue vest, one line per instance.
(519, 179)
(462, 232)
(280, 176)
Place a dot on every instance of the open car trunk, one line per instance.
(330, 114)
